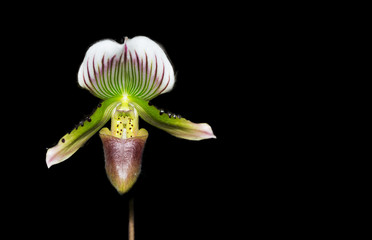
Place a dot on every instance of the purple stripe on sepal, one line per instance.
(165, 86)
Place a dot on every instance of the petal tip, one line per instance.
(206, 132)
(51, 158)
(48, 158)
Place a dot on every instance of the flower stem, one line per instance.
(131, 220)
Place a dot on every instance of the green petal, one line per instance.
(71, 142)
(178, 127)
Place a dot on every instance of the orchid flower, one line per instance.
(126, 77)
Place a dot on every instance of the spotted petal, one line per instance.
(138, 67)
(171, 123)
(71, 142)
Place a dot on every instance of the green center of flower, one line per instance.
(124, 122)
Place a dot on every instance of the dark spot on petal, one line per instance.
(88, 119)
(150, 104)
(169, 115)
(99, 105)
(63, 140)
(117, 131)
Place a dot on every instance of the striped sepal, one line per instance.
(139, 67)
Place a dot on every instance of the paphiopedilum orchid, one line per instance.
(126, 77)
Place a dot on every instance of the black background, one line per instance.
(186, 190)
(232, 72)
(255, 74)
